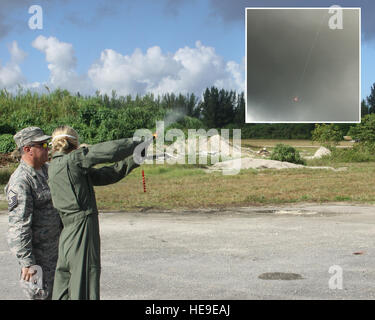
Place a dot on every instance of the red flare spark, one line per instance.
(144, 181)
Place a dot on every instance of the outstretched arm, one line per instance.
(112, 174)
(110, 151)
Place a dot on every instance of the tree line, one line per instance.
(102, 117)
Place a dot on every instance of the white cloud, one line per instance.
(17, 55)
(62, 64)
(57, 53)
(188, 70)
(11, 74)
(133, 74)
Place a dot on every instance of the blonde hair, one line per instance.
(64, 139)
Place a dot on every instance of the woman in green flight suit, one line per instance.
(71, 181)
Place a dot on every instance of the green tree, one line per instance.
(187, 104)
(364, 108)
(218, 107)
(371, 100)
(328, 135)
(7, 143)
(364, 131)
(239, 117)
(209, 106)
(192, 106)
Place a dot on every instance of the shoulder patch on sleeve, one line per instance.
(12, 200)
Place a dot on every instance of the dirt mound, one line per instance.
(251, 163)
(219, 144)
(211, 146)
(322, 151)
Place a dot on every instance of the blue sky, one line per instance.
(139, 46)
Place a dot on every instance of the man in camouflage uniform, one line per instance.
(34, 224)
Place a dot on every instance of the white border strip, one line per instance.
(303, 8)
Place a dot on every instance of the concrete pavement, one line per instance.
(299, 251)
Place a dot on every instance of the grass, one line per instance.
(188, 187)
(304, 147)
(258, 143)
(169, 187)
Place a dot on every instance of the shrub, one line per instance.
(358, 153)
(7, 143)
(6, 128)
(283, 152)
(364, 131)
(191, 123)
(327, 135)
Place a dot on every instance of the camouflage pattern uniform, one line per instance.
(34, 224)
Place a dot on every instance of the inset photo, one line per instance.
(303, 65)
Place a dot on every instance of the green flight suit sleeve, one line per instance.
(112, 174)
(110, 151)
